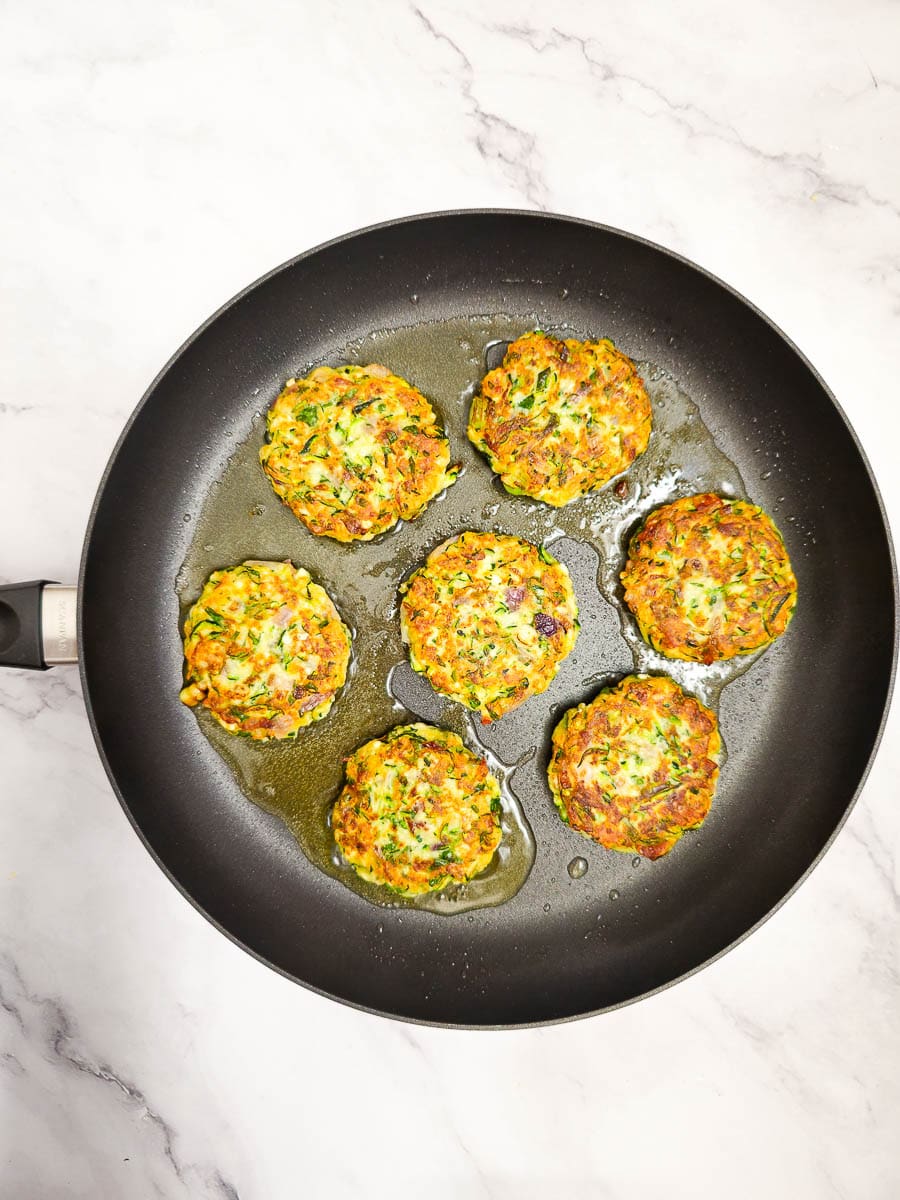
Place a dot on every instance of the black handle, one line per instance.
(21, 641)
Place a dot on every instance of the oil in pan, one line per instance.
(242, 518)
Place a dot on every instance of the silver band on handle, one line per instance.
(59, 628)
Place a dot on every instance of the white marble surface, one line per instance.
(156, 157)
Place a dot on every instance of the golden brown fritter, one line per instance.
(709, 578)
(488, 619)
(637, 766)
(419, 810)
(265, 650)
(560, 418)
(352, 450)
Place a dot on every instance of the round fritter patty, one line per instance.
(488, 620)
(352, 450)
(560, 418)
(637, 766)
(265, 650)
(419, 810)
(709, 578)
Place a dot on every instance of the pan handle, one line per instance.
(38, 625)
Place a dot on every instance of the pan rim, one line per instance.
(536, 215)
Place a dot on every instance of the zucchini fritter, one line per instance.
(560, 418)
(419, 810)
(488, 619)
(709, 578)
(265, 650)
(352, 450)
(637, 766)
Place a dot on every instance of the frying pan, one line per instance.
(801, 725)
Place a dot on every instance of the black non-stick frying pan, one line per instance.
(801, 725)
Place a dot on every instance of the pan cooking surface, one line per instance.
(299, 780)
(736, 410)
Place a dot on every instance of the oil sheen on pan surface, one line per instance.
(540, 937)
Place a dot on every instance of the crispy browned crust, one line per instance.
(419, 811)
(637, 766)
(265, 650)
(488, 619)
(353, 450)
(708, 578)
(560, 418)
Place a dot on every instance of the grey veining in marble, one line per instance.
(156, 158)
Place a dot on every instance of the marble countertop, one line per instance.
(155, 161)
